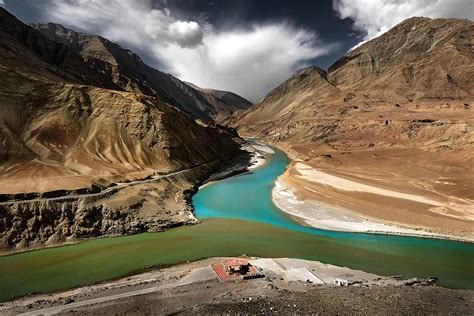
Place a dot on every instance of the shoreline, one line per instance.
(257, 160)
(327, 217)
(375, 232)
(237, 165)
(288, 273)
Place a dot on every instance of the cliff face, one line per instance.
(138, 207)
(128, 71)
(66, 125)
(55, 123)
(411, 86)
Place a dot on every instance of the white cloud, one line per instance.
(375, 17)
(247, 61)
(133, 22)
(2, 3)
(187, 34)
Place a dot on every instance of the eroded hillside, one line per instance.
(128, 71)
(395, 113)
(67, 128)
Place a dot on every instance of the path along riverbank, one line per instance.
(188, 287)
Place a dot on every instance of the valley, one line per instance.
(70, 125)
(253, 226)
(385, 135)
(123, 185)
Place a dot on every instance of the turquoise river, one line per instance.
(238, 217)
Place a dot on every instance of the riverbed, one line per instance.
(238, 217)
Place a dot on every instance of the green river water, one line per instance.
(238, 218)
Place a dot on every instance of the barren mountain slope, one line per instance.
(128, 71)
(49, 120)
(63, 131)
(414, 83)
(283, 102)
(418, 60)
(234, 100)
(396, 113)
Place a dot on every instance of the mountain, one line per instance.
(128, 71)
(420, 70)
(418, 60)
(225, 96)
(61, 112)
(72, 126)
(391, 116)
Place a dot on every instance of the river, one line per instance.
(238, 217)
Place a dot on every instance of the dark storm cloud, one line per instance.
(211, 48)
(245, 46)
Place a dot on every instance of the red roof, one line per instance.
(235, 262)
(223, 275)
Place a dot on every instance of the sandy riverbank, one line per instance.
(378, 195)
(194, 286)
(257, 159)
(324, 216)
(258, 156)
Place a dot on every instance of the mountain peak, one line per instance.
(416, 43)
(417, 64)
(132, 74)
(311, 70)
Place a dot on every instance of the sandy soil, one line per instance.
(324, 216)
(192, 287)
(264, 149)
(385, 190)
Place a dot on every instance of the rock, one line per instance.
(94, 125)
(421, 281)
(130, 73)
(271, 287)
(345, 106)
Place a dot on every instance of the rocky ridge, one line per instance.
(149, 206)
(411, 86)
(129, 72)
(70, 124)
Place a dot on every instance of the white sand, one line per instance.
(323, 216)
(264, 149)
(258, 157)
(257, 161)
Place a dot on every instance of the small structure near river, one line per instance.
(236, 269)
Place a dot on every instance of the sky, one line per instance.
(244, 46)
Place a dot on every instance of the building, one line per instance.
(236, 269)
(236, 266)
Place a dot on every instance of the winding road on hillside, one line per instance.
(118, 186)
